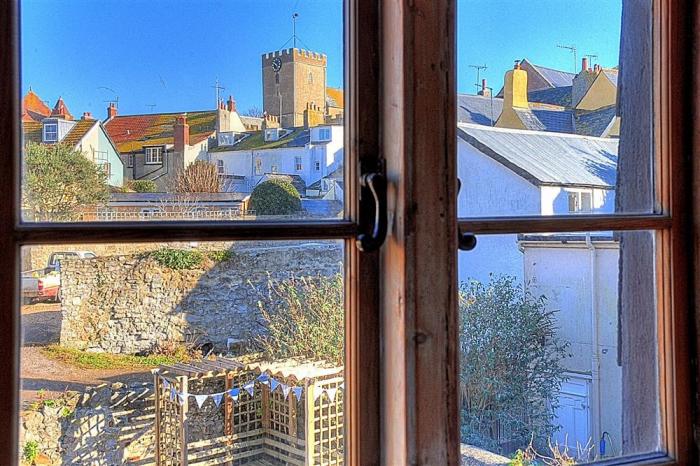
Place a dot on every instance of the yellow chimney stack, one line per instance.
(515, 89)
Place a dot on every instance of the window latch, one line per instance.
(374, 184)
(465, 241)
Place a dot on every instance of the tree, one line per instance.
(511, 365)
(254, 111)
(141, 186)
(303, 317)
(198, 177)
(58, 180)
(275, 197)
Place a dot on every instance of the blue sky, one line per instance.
(164, 56)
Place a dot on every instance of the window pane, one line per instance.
(541, 129)
(234, 350)
(557, 337)
(187, 129)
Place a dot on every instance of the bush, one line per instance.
(178, 258)
(510, 368)
(220, 256)
(30, 451)
(275, 197)
(304, 317)
(141, 186)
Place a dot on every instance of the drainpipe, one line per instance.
(595, 358)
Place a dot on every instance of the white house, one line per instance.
(522, 172)
(507, 172)
(313, 154)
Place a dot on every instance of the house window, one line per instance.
(50, 132)
(258, 166)
(297, 164)
(154, 155)
(220, 167)
(318, 165)
(324, 134)
(580, 202)
(310, 79)
(273, 168)
(129, 160)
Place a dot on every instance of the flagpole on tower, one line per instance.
(294, 29)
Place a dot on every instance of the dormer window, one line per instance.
(272, 134)
(50, 132)
(322, 134)
(154, 155)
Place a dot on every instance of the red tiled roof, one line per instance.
(132, 132)
(61, 110)
(33, 108)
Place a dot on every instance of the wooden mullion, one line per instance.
(122, 232)
(564, 223)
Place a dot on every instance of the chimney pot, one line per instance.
(516, 66)
(231, 104)
(584, 63)
(87, 116)
(111, 110)
(483, 84)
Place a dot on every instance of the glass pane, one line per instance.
(236, 114)
(228, 353)
(540, 127)
(558, 354)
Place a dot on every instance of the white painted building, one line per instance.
(313, 154)
(506, 172)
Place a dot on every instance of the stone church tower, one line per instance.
(293, 79)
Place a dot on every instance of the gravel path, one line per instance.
(41, 324)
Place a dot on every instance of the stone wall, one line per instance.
(130, 303)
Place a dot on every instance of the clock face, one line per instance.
(276, 65)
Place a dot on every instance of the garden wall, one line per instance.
(130, 303)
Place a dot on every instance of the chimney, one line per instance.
(515, 88)
(231, 104)
(485, 91)
(87, 116)
(584, 64)
(111, 110)
(181, 132)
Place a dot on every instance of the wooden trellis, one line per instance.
(265, 427)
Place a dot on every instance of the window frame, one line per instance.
(361, 146)
(45, 126)
(149, 158)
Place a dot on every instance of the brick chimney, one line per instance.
(181, 133)
(231, 104)
(111, 110)
(584, 64)
(485, 91)
(87, 116)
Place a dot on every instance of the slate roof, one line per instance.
(32, 132)
(322, 208)
(118, 197)
(477, 109)
(557, 78)
(612, 75)
(554, 96)
(594, 122)
(298, 137)
(132, 132)
(546, 119)
(547, 158)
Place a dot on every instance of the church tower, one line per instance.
(293, 79)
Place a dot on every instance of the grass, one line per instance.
(85, 360)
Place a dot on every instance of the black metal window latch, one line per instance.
(373, 236)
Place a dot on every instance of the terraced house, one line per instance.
(43, 125)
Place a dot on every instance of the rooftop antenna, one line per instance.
(114, 101)
(571, 48)
(151, 106)
(294, 29)
(478, 69)
(591, 57)
(218, 88)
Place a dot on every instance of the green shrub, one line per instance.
(304, 317)
(141, 186)
(511, 364)
(220, 256)
(178, 258)
(30, 451)
(275, 197)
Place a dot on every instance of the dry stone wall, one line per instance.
(130, 303)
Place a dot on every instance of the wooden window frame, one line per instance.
(361, 293)
(419, 319)
(148, 154)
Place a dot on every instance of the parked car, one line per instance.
(45, 284)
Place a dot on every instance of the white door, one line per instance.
(573, 414)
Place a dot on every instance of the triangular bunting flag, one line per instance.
(200, 399)
(172, 393)
(297, 392)
(263, 378)
(166, 384)
(233, 393)
(249, 387)
(317, 394)
(217, 398)
(181, 398)
(331, 393)
(342, 386)
(285, 390)
(273, 384)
